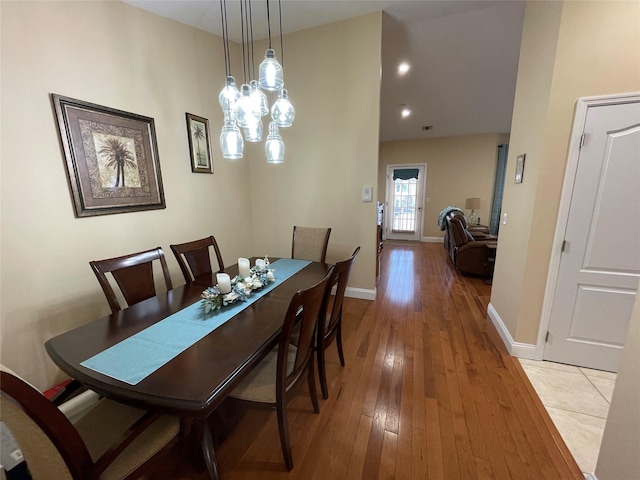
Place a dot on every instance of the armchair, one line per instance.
(479, 232)
(468, 252)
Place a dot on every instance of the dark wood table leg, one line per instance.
(208, 451)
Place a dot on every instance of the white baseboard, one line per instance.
(517, 349)
(590, 476)
(432, 239)
(362, 293)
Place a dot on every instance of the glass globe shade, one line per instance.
(229, 95)
(231, 141)
(258, 98)
(253, 133)
(245, 111)
(274, 146)
(270, 72)
(282, 111)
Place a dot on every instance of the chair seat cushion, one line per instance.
(260, 385)
(104, 424)
(77, 406)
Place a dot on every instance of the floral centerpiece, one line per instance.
(260, 275)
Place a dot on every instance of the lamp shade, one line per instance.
(274, 146)
(472, 203)
(229, 95)
(231, 141)
(282, 111)
(270, 72)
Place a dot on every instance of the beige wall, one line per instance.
(619, 457)
(535, 71)
(457, 168)
(115, 55)
(332, 149)
(569, 50)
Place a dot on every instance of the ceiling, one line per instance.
(463, 54)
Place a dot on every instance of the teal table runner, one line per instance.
(138, 356)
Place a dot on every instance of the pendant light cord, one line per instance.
(281, 47)
(252, 72)
(225, 37)
(269, 23)
(242, 22)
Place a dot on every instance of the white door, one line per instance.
(600, 263)
(405, 193)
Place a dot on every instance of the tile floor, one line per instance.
(577, 400)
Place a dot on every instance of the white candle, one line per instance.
(244, 267)
(260, 263)
(224, 282)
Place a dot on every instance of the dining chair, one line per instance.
(286, 365)
(310, 243)
(194, 259)
(109, 440)
(134, 275)
(331, 328)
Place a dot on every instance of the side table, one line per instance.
(489, 264)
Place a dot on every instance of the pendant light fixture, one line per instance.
(274, 146)
(247, 113)
(231, 142)
(244, 108)
(282, 111)
(253, 133)
(270, 70)
(229, 95)
(230, 139)
(259, 98)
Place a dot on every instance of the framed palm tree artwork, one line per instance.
(111, 158)
(199, 144)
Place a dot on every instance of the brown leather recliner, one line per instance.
(479, 232)
(468, 254)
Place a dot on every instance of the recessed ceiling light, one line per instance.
(403, 68)
(406, 112)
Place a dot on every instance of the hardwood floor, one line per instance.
(428, 392)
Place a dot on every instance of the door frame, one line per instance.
(582, 106)
(419, 199)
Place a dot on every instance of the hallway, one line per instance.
(428, 392)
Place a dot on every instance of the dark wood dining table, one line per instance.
(195, 382)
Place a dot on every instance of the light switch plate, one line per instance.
(367, 194)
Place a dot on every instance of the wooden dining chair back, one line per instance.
(110, 440)
(134, 275)
(310, 243)
(331, 328)
(194, 258)
(285, 366)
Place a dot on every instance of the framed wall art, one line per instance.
(199, 144)
(111, 158)
(520, 168)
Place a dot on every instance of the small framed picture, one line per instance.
(199, 144)
(520, 168)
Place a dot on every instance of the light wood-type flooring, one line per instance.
(428, 392)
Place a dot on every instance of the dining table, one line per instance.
(197, 377)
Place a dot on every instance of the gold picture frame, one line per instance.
(199, 144)
(111, 158)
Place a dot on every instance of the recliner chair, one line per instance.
(479, 232)
(468, 254)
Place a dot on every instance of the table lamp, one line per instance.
(472, 204)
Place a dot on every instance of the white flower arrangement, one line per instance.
(241, 288)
